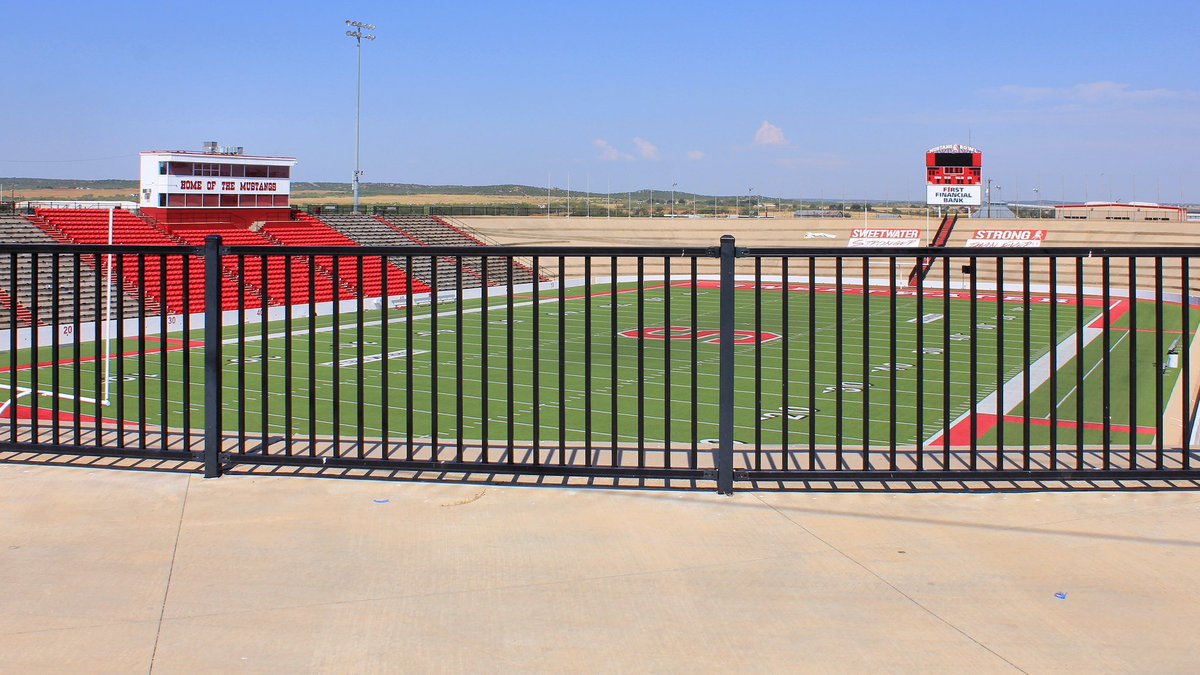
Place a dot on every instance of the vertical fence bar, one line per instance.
(612, 365)
(587, 360)
(1053, 263)
(973, 374)
(458, 358)
(562, 360)
(758, 365)
(1133, 356)
(920, 354)
(865, 460)
(1160, 366)
(288, 423)
(384, 363)
(667, 362)
(409, 361)
(1106, 365)
(786, 374)
(164, 363)
(1185, 347)
(725, 445)
(892, 409)
(536, 339)
(946, 361)
(1026, 358)
(14, 353)
(142, 395)
(360, 357)
(120, 359)
(434, 370)
(77, 344)
(1079, 363)
(186, 261)
(641, 362)
(312, 356)
(999, 362)
(264, 382)
(35, 349)
(337, 363)
(837, 309)
(241, 353)
(509, 348)
(484, 374)
(97, 349)
(693, 459)
(56, 356)
(212, 356)
(812, 363)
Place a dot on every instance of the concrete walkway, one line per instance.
(132, 572)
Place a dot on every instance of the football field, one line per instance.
(815, 365)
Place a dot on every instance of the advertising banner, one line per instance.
(880, 237)
(954, 195)
(1006, 239)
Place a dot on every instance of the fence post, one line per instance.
(725, 416)
(212, 356)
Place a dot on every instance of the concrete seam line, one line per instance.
(887, 583)
(170, 572)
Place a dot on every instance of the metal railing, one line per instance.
(696, 366)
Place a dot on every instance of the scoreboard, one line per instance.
(953, 176)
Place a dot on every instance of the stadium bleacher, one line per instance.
(163, 286)
(434, 231)
(90, 226)
(374, 231)
(309, 231)
(16, 229)
(252, 268)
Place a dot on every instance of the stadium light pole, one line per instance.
(359, 35)
(673, 198)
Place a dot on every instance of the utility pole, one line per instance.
(359, 35)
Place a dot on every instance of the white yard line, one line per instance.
(1014, 389)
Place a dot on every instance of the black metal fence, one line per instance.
(706, 366)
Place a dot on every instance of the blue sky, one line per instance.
(834, 100)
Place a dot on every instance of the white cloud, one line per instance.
(1090, 92)
(695, 155)
(645, 148)
(610, 154)
(769, 134)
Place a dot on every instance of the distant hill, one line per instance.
(67, 184)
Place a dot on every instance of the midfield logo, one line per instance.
(711, 337)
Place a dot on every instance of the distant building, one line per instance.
(1131, 211)
(819, 213)
(216, 185)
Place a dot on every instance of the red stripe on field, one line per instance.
(960, 434)
(1067, 424)
(25, 412)
(1117, 310)
(932, 294)
(91, 359)
(607, 293)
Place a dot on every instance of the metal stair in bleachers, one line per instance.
(432, 231)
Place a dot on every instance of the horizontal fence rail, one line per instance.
(710, 367)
